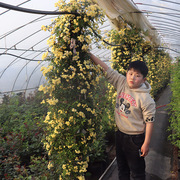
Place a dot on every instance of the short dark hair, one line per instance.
(139, 66)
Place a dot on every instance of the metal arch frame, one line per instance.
(156, 12)
(51, 13)
(164, 23)
(169, 35)
(28, 80)
(22, 53)
(145, 4)
(24, 65)
(26, 59)
(171, 2)
(163, 28)
(159, 17)
(24, 39)
(35, 20)
(29, 60)
(12, 31)
(20, 56)
(16, 49)
(20, 73)
(54, 13)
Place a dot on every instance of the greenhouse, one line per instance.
(57, 93)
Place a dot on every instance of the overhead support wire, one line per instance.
(32, 11)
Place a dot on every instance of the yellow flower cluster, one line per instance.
(50, 165)
(52, 101)
(74, 117)
(44, 56)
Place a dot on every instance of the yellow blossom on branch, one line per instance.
(71, 88)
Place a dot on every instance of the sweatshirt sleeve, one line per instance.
(149, 110)
(115, 78)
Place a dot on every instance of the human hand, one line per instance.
(73, 45)
(144, 150)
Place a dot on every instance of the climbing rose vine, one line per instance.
(74, 116)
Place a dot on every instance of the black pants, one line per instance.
(127, 153)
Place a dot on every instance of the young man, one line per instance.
(134, 116)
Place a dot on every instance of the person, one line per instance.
(134, 117)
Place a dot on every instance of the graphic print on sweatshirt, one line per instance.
(125, 102)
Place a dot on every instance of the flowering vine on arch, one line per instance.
(73, 120)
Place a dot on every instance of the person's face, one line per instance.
(134, 78)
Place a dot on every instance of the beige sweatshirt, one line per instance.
(134, 107)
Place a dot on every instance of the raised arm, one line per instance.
(97, 61)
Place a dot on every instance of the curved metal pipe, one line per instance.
(17, 5)
(16, 8)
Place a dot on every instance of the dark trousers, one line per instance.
(129, 162)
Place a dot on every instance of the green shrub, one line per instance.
(175, 105)
(21, 133)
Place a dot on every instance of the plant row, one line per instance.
(175, 105)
